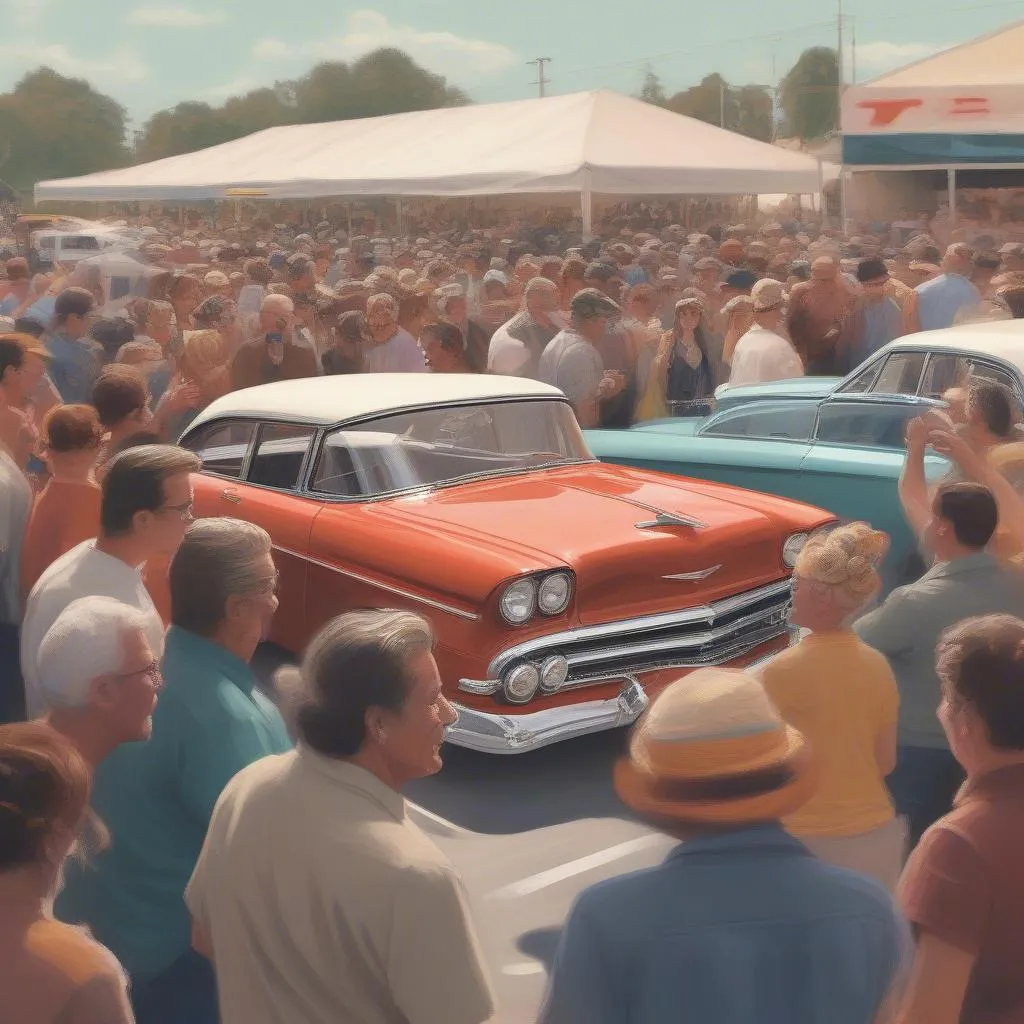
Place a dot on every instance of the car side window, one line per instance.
(986, 371)
(792, 423)
(222, 446)
(900, 375)
(863, 381)
(280, 454)
(863, 424)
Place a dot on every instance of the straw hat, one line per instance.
(699, 753)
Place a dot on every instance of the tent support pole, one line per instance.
(587, 208)
(951, 193)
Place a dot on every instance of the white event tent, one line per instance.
(592, 143)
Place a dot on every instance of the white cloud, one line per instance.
(368, 30)
(175, 17)
(272, 49)
(123, 66)
(883, 55)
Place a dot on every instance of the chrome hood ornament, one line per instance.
(662, 519)
(693, 577)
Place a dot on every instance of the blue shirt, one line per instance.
(883, 322)
(735, 928)
(156, 798)
(939, 300)
(74, 367)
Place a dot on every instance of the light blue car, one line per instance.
(842, 452)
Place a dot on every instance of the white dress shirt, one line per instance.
(762, 355)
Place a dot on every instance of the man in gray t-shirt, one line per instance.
(572, 363)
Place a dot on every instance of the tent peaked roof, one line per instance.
(596, 141)
(993, 59)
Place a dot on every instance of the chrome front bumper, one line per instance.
(520, 733)
(517, 734)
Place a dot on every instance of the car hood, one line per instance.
(589, 519)
(800, 387)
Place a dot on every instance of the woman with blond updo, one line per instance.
(841, 694)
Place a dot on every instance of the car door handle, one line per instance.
(229, 494)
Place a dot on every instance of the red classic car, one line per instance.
(563, 591)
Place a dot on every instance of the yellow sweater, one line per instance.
(841, 694)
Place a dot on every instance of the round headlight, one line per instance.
(518, 602)
(553, 673)
(791, 549)
(521, 683)
(554, 593)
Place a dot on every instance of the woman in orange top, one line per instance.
(841, 694)
(67, 511)
(49, 972)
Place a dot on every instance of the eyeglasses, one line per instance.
(151, 672)
(184, 510)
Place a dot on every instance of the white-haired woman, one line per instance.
(841, 694)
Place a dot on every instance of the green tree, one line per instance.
(652, 90)
(386, 81)
(809, 94)
(56, 127)
(747, 109)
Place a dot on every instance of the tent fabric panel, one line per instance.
(920, 148)
(612, 144)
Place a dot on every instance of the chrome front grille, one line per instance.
(690, 638)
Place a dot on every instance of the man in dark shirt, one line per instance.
(274, 355)
(963, 889)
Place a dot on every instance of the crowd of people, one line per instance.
(181, 845)
(637, 325)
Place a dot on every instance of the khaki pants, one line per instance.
(877, 854)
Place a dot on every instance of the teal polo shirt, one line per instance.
(156, 799)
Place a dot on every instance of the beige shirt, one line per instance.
(324, 903)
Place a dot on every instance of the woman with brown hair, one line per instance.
(67, 511)
(841, 694)
(50, 973)
(682, 379)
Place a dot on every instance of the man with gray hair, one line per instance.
(377, 927)
(145, 508)
(100, 676)
(516, 346)
(157, 798)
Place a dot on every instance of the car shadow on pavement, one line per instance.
(506, 794)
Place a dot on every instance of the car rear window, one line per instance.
(222, 446)
(280, 455)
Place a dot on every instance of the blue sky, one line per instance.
(149, 54)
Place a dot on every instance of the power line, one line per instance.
(541, 82)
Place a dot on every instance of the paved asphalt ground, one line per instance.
(527, 833)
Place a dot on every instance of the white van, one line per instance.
(69, 248)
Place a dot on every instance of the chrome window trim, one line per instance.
(623, 627)
(391, 589)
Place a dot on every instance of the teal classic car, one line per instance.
(842, 452)
(925, 364)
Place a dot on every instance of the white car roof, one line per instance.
(327, 400)
(1003, 339)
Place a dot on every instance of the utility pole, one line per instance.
(721, 102)
(853, 50)
(839, 114)
(542, 81)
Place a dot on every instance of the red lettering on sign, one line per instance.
(885, 112)
(971, 105)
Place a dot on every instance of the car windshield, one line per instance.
(435, 447)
